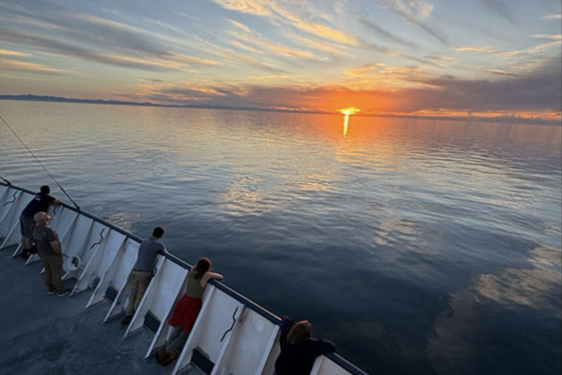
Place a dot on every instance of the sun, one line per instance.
(349, 111)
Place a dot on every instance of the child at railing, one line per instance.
(186, 310)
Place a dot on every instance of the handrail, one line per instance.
(348, 366)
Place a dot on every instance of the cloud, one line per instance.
(416, 12)
(553, 17)
(93, 38)
(8, 64)
(498, 7)
(385, 33)
(412, 8)
(6, 52)
(475, 49)
(545, 36)
(538, 90)
(245, 34)
(273, 10)
(172, 62)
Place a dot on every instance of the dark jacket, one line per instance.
(298, 359)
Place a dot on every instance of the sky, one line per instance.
(388, 57)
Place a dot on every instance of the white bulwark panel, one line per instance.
(9, 221)
(213, 329)
(103, 254)
(119, 273)
(249, 346)
(325, 366)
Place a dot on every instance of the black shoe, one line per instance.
(66, 292)
(127, 319)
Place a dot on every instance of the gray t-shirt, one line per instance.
(43, 236)
(147, 254)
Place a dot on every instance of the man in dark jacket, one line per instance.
(39, 203)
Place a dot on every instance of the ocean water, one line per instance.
(417, 246)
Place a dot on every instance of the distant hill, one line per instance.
(45, 98)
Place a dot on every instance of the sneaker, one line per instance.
(51, 291)
(127, 319)
(65, 293)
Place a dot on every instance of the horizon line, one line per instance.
(469, 118)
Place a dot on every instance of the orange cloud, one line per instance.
(7, 52)
(27, 66)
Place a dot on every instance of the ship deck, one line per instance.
(45, 334)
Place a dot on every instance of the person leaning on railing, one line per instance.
(298, 348)
(186, 310)
(40, 203)
(142, 271)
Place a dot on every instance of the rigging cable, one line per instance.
(41, 164)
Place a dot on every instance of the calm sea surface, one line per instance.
(417, 246)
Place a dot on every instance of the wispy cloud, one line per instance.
(412, 8)
(475, 49)
(416, 12)
(500, 8)
(251, 37)
(7, 52)
(385, 33)
(553, 17)
(89, 37)
(545, 36)
(285, 15)
(172, 61)
(8, 64)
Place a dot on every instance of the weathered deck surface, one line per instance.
(45, 334)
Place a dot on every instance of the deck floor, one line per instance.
(45, 334)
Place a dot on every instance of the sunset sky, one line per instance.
(412, 57)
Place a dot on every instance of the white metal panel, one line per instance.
(107, 269)
(9, 223)
(118, 275)
(212, 326)
(269, 367)
(103, 253)
(326, 366)
(11, 210)
(165, 311)
(252, 340)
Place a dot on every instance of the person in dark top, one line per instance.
(50, 252)
(142, 271)
(39, 203)
(298, 348)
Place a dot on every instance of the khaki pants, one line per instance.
(139, 281)
(53, 272)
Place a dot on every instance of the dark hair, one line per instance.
(301, 331)
(202, 266)
(158, 232)
(45, 189)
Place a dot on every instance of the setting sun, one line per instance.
(349, 111)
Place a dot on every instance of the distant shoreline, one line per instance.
(55, 99)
